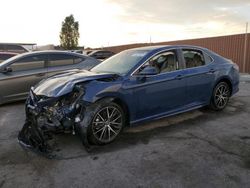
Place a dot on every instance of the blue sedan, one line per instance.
(134, 86)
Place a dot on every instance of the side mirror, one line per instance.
(148, 71)
(6, 70)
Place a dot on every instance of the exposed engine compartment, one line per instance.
(61, 115)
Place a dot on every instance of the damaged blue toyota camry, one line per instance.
(134, 86)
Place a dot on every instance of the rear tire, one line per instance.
(220, 97)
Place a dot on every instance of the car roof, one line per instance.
(162, 47)
(51, 52)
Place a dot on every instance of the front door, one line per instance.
(162, 93)
(26, 72)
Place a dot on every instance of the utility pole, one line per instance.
(245, 49)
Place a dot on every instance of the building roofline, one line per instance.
(5, 43)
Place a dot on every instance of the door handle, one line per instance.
(179, 77)
(40, 74)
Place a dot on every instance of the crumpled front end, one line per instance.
(46, 116)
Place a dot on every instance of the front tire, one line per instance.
(107, 123)
(220, 96)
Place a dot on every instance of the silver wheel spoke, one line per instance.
(116, 125)
(100, 117)
(99, 122)
(99, 130)
(104, 130)
(226, 93)
(218, 101)
(108, 112)
(112, 114)
(116, 119)
(222, 90)
(109, 133)
(113, 131)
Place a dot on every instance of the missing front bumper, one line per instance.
(32, 138)
(40, 141)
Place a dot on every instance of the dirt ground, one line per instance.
(200, 148)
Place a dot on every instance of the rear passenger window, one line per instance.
(29, 63)
(60, 60)
(193, 58)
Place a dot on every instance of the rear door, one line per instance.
(200, 76)
(26, 72)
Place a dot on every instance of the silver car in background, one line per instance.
(18, 74)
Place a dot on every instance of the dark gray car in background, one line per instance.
(18, 74)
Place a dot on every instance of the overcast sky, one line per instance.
(112, 22)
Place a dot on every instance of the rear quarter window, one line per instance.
(60, 60)
(78, 60)
(208, 59)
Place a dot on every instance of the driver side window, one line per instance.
(163, 62)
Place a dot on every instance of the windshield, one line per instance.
(121, 63)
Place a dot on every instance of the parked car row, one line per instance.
(101, 54)
(131, 87)
(20, 72)
(14, 48)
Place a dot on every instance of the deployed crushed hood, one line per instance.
(62, 84)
